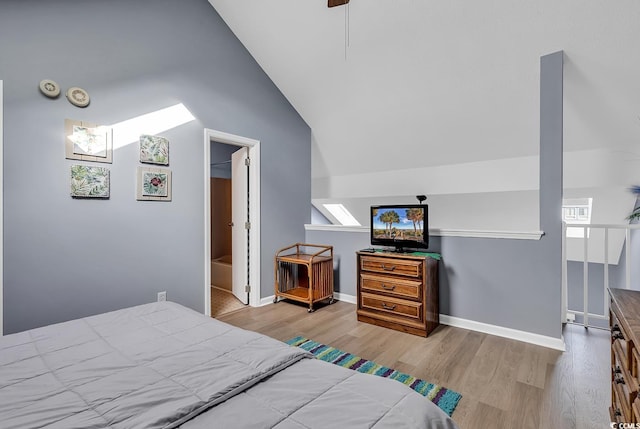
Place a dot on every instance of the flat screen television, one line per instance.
(403, 226)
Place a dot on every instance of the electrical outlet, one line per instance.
(162, 296)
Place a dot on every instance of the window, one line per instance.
(577, 211)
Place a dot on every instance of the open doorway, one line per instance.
(232, 221)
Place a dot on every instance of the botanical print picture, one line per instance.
(154, 184)
(87, 141)
(154, 150)
(89, 182)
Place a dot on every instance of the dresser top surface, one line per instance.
(628, 303)
(408, 255)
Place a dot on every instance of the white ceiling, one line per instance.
(428, 88)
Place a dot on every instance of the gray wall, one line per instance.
(496, 281)
(317, 218)
(510, 283)
(66, 258)
(345, 245)
(220, 157)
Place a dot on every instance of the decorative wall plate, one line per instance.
(49, 88)
(78, 96)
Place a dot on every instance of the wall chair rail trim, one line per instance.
(445, 232)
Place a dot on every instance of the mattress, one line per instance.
(162, 365)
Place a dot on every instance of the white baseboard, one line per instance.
(346, 298)
(457, 322)
(266, 301)
(500, 331)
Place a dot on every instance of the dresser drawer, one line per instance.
(398, 267)
(621, 403)
(398, 291)
(625, 385)
(635, 365)
(624, 321)
(410, 289)
(635, 409)
(620, 341)
(396, 307)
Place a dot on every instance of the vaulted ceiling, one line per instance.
(399, 91)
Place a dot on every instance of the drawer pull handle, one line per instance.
(388, 267)
(619, 380)
(385, 287)
(388, 307)
(618, 337)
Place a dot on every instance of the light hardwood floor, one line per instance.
(504, 383)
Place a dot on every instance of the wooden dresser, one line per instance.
(398, 291)
(624, 320)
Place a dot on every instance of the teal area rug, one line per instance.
(444, 398)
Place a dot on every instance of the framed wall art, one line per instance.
(154, 184)
(154, 150)
(89, 182)
(86, 141)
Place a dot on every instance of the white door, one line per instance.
(239, 219)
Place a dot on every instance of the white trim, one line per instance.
(266, 301)
(336, 228)
(1, 214)
(440, 232)
(254, 211)
(346, 298)
(500, 331)
(510, 235)
(605, 225)
(575, 313)
(528, 337)
(564, 303)
(207, 225)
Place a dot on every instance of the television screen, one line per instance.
(401, 226)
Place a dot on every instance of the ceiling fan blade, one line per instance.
(334, 3)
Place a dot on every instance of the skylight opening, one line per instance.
(129, 131)
(341, 214)
(577, 211)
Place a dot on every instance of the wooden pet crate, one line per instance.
(304, 273)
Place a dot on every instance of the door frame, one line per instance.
(1, 214)
(254, 212)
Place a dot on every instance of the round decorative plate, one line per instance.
(78, 96)
(49, 88)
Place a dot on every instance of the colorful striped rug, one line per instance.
(444, 398)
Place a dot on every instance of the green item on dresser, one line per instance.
(432, 255)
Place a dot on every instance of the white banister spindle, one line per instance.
(585, 273)
(627, 269)
(618, 261)
(565, 285)
(606, 271)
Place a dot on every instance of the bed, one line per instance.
(162, 365)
